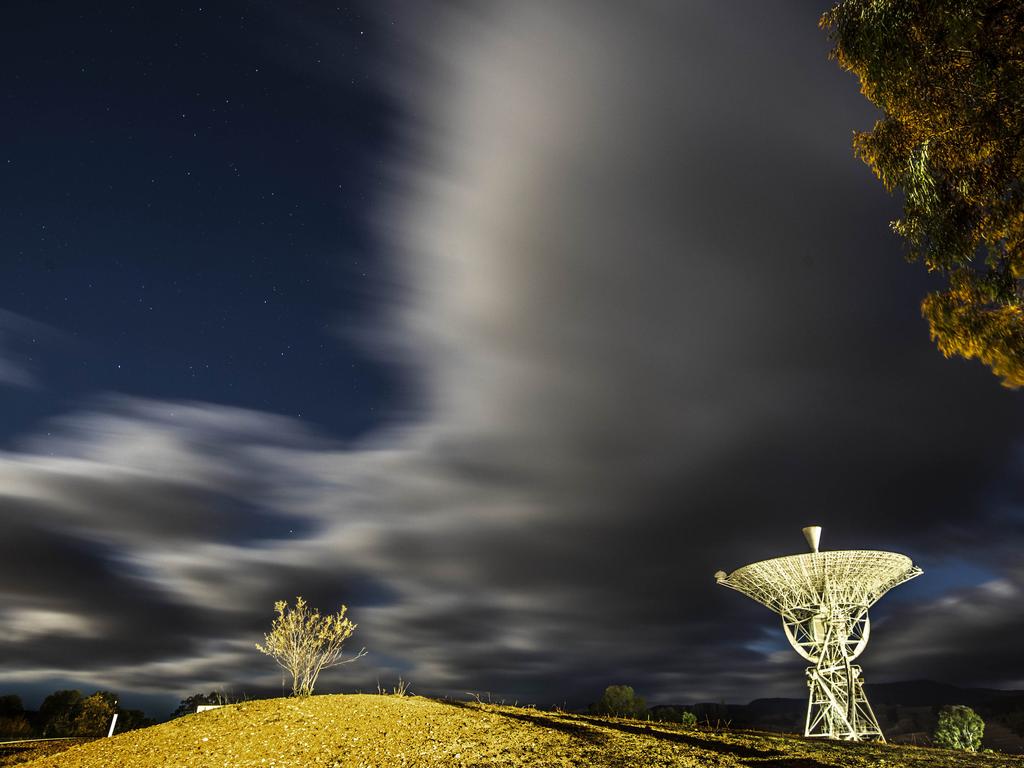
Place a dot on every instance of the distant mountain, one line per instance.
(928, 693)
(910, 693)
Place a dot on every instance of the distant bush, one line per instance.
(675, 715)
(130, 719)
(620, 701)
(189, 704)
(400, 689)
(959, 727)
(15, 727)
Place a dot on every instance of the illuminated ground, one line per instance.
(18, 754)
(383, 731)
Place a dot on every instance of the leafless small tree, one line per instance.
(304, 643)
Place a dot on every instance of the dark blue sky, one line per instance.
(185, 204)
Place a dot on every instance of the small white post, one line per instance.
(113, 722)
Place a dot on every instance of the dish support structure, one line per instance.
(837, 707)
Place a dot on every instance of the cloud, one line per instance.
(25, 624)
(656, 325)
(14, 375)
(662, 327)
(971, 634)
(14, 330)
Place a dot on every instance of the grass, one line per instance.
(360, 731)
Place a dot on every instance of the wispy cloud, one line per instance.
(17, 331)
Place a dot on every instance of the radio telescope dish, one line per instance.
(823, 599)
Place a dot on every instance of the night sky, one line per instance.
(506, 324)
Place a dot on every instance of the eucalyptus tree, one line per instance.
(948, 76)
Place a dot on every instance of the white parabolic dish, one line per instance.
(852, 577)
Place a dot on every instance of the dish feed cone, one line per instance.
(813, 535)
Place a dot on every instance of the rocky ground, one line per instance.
(364, 731)
(16, 754)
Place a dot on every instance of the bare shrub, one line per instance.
(304, 643)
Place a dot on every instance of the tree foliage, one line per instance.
(15, 727)
(304, 643)
(188, 705)
(620, 701)
(57, 712)
(68, 713)
(10, 706)
(959, 728)
(13, 723)
(130, 719)
(94, 713)
(949, 77)
(675, 715)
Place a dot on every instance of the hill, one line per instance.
(382, 731)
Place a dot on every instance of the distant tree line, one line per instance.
(955, 726)
(190, 704)
(67, 713)
(622, 701)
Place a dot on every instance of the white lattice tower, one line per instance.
(823, 599)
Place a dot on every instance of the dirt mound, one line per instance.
(360, 731)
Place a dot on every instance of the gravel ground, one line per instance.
(368, 731)
(16, 754)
